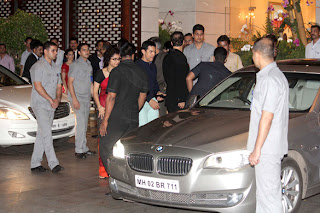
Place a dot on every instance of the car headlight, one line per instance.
(228, 160)
(118, 150)
(11, 114)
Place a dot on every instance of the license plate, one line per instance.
(158, 184)
(60, 125)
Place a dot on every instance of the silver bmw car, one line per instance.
(197, 158)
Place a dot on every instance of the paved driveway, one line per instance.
(76, 189)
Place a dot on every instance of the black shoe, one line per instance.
(94, 136)
(57, 168)
(90, 152)
(80, 155)
(39, 169)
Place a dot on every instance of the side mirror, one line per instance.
(192, 99)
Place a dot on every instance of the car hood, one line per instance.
(17, 97)
(196, 128)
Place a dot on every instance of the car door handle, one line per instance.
(314, 148)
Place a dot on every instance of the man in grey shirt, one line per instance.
(268, 131)
(45, 98)
(79, 85)
(199, 50)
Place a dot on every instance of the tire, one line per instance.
(291, 180)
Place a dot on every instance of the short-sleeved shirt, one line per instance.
(49, 76)
(271, 94)
(233, 62)
(127, 80)
(195, 56)
(81, 71)
(209, 74)
(24, 57)
(313, 50)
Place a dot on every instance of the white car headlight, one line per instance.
(11, 114)
(118, 150)
(228, 160)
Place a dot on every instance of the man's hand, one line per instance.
(254, 157)
(76, 104)
(101, 112)
(55, 103)
(181, 105)
(103, 128)
(154, 104)
(160, 98)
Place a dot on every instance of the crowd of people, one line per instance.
(129, 93)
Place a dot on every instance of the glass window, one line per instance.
(8, 78)
(237, 91)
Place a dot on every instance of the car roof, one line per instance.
(292, 65)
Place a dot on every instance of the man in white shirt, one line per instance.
(313, 48)
(60, 56)
(233, 62)
(25, 54)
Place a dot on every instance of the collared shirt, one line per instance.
(60, 57)
(313, 50)
(271, 94)
(101, 62)
(24, 57)
(233, 62)
(81, 71)
(127, 80)
(151, 71)
(195, 56)
(49, 76)
(8, 62)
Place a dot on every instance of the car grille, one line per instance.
(55, 132)
(178, 166)
(62, 111)
(202, 199)
(141, 162)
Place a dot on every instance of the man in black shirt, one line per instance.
(175, 71)
(127, 91)
(37, 51)
(209, 74)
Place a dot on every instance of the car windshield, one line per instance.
(236, 91)
(8, 78)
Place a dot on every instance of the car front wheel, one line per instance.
(291, 180)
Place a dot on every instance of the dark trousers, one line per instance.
(115, 130)
(172, 107)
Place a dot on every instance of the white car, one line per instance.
(18, 124)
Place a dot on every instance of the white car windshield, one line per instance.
(237, 91)
(8, 78)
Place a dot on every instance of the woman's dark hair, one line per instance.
(111, 51)
(67, 51)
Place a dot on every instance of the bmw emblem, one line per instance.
(159, 148)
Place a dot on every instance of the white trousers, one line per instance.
(147, 114)
(268, 182)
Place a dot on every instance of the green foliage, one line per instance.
(246, 57)
(14, 30)
(163, 35)
(268, 28)
(290, 51)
